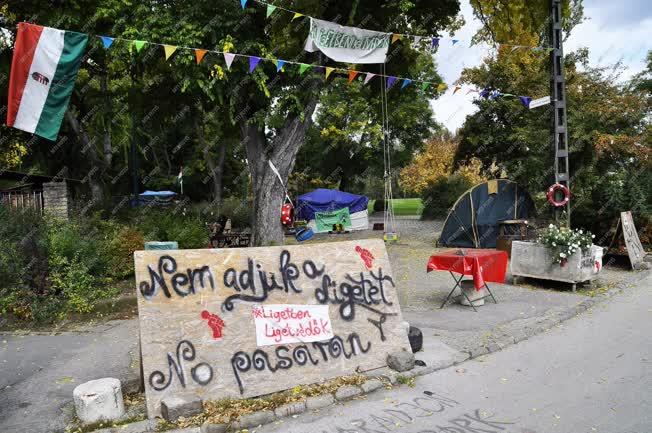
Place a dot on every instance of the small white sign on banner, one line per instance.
(287, 324)
(539, 102)
(347, 44)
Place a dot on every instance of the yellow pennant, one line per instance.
(396, 37)
(169, 50)
(442, 86)
(297, 15)
(199, 55)
(328, 71)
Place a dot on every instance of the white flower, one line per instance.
(554, 244)
(551, 226)
(581, 231)
(562, 255)
(592, 236)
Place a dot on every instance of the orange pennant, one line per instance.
(352, 75)
(199, 54)
(396, 37)
(456, 89)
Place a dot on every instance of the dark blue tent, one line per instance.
(473, 220)
(328, 200)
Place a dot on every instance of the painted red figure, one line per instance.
(214, 322)
(366, 256)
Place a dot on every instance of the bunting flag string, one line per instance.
(434, 40)
(200, 53)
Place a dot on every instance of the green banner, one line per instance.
(325, 220)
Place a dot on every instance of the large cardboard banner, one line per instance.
(634, 247)
(251, 321)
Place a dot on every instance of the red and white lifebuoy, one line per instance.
(287, 214)
(552, 192)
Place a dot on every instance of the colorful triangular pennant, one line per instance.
(243, 3)
(425, 85)
(456, 89)
(368, 77)
(270, 10)
(434, 43)
(297, 15)
(525, 100)
(328, 71)
(107, 41)
(390, 82)
(406, 82)
(441, 87)
(139, 45)
(228, 58)
(396, 37)
(455, 41)
(417, 39)
(279, 65)
(199, 55)
(169, 50)
(303, 67)
(352, 75)
(253, 62)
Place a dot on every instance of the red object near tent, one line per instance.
(483, 265)
(287, 214)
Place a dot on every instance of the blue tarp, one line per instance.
(157, 193)
(327, 200)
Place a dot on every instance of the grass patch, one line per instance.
(402, 206)
(229, 409)
(404, 380)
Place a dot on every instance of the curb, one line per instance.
(376, 379)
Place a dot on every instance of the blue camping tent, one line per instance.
(322, 201)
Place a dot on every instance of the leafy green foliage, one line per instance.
(564, 242)
(439, 197)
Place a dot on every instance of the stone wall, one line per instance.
(56, 199)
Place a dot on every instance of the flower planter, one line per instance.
(530, 259)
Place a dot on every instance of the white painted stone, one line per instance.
(99, 400)
(475, 296)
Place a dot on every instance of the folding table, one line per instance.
(483, 264)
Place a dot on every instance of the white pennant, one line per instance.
(228, 58)
(369, 77)
(417, 39)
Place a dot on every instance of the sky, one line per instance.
(619, 30)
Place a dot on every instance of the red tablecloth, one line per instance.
(483, 265)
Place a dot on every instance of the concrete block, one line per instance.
(401, 360)
(137, 427)
(99, 400)
(213, 428)
(319, 401)
(371, 385)
(254, 419)
(347, 392)
(174, 407)
(290, 409)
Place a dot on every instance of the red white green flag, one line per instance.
(43, 73)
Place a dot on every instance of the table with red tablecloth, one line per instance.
(482, 264)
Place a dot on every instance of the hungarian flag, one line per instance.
(43, 73)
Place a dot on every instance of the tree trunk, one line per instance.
(215, 169)
(95, 175)
(268, 193)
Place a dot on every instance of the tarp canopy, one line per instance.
(473, 220)
(149, 193)
(328, 200)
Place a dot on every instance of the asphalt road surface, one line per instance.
(591, 374)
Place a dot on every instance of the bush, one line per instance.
(440, 196)
(119, 248)
(188, 230)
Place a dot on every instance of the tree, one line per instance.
(346, 142)
(608, 129)
(435, 162)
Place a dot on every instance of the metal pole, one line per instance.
(558, 93)
(132, 150)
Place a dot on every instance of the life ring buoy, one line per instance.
(553, 190)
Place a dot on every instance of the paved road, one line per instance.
(591, 374)
(39, 372)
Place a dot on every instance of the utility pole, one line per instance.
(132, 150)
(558, 93)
